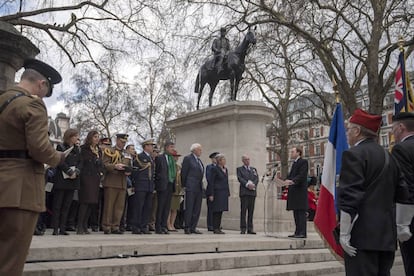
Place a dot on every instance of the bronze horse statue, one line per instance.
(233, 68)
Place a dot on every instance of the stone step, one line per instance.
(74, 247)
(182, 263)
(307, 269)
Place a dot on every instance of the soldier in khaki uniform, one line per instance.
(24, 148)
(115, 185)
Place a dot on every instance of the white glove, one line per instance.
(405, 213)
(345, 233)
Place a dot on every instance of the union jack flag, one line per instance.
(403, 95)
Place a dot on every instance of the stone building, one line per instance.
(57, 127)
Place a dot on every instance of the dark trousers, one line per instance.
(96, 212)
(62, 200)
(209, 215)
(16, 232)
(246, 207)
(123, 222)
(164, 207)
(141, 210)
(300, 222)
(407, 253)
(217, 220)
(83, 216)
(192, 209)
(73, 214)
(369, 263)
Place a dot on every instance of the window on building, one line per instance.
(272, 140)
(305, 151)
(318, 149)
(384, 140)
(317, 132)
(384, 120)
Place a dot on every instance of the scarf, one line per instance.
(172, 170)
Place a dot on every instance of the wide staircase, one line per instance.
(179, 254)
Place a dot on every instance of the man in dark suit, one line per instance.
(248, 179)
(192, 172)
(403, 151)
(143, 182)
(297, 199)
(165, 174)
(368, 182)
(209, 167)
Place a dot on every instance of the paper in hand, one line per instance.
(279, 182)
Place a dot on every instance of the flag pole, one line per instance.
(401, 47)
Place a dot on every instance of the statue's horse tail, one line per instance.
(197, 83)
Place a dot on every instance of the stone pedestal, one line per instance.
(234, 129)
(14, 49)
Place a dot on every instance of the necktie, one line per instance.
(200, 164)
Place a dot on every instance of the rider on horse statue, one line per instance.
(220, 47)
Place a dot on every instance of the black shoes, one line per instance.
(297, 236)
(218, 232)
(187, 231)
(195, 231)
(117, 232)
(251, 232)
(136, 231)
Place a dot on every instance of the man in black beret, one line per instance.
(403, 151)
(24, 143)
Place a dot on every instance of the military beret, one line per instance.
(45, 70)
(369, 121)
(148, 142)
(403, 116)
(105, 141)
(122, 136)
(213, 155)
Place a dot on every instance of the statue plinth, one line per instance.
(14, 49)
(234, 129)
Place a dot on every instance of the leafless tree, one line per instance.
(353, 40)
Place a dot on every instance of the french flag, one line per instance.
(326, 212)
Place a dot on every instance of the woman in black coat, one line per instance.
(218, 192)
(66, 181)
(92, 169)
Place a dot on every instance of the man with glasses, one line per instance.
(24, 148)
(368, 184)
(403, 152)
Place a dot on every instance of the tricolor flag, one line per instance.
(403, 95)
(326, 211)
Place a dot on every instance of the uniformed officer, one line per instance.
(24, 148)
(143, 182)
(115, 185)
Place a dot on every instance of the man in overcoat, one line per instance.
(403, 152)
(297, 199)
(366, 195)
(24, 148)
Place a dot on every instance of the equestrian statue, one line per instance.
(225, 65)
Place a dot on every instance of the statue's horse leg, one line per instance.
(200, 92)
(213, 86)
(232, 87)
(236, 87)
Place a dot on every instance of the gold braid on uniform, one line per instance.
(116, 157)
(143, 166)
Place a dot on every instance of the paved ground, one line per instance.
(397, 270)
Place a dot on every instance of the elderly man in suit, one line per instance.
(403, 151)
(192, 172)
(209, 169)
(298, 191)
(165, 174)
(24, 147)
(368, 185)
(248, 179)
